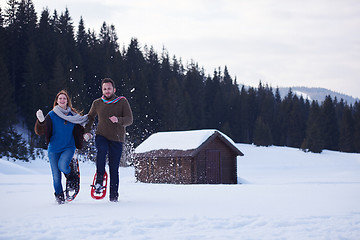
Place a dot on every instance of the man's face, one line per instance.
(108, 90)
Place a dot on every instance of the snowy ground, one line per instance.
(287, 194)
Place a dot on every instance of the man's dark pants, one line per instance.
(114, 151)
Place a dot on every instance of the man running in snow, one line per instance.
(114, 115)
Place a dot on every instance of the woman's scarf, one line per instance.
(74, 118)
(111, 101)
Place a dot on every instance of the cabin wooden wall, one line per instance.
(228, 166)
(164, 170)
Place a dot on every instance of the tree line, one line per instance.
(41, 55)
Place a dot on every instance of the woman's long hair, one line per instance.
(68, 101)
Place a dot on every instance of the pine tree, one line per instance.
(45, 45)
(229, 93)
(137, 89)
(56, 83)
(194, 94)
(156, 90)
(235, 116)
(314, 140)
(10, 12)
(21, 22)
(81, 36)
(108, 38)
(16, 146)
(7, 108)
(356, 121)
(1, 18)
(266, 106)
(3, 36)
(277, 118)
(219, 107)
(7, 104)
(286, 106)
(33, 74)
(262, 133)
(66, 30)
(346, 139)
(55, 23)
(331, 130)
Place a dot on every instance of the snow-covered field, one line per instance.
(287, 194)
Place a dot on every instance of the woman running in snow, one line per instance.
(63, 130)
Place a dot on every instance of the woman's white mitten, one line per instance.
(40, 116)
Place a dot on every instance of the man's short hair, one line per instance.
(108, 80)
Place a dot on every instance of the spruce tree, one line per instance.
(242, 116)
(33, 74)
(217, 118)
(356, 121)
(266, 106)
(331, 130)
(314, 140)
(66, 34)
(81, 36)
(346, 139)
(45, 42)
(194, 94)
(7, 91)
(286, 108)
(156, 89)
(277, 116)
(10, 13)
(7, 108)
(1, 18)
(262, 133)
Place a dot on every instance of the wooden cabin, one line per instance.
(187, 157)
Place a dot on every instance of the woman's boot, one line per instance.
(60, 198)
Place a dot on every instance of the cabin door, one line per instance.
(213, 167)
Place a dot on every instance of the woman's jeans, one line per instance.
(114, 151)
(60, 162)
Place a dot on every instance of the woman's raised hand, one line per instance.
(40, 115)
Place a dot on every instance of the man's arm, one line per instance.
(91, 118)
(127, 117)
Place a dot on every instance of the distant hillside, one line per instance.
(318, 94)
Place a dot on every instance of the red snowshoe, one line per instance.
(73, 180)
(99, 191)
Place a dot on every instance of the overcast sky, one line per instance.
(312, 43)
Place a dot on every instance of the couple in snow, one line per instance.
(65, 128)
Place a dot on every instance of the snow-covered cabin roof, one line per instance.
(181, 140)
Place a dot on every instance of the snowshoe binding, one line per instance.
(73, 180)
(98, 189)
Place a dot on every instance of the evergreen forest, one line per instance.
(43, 54)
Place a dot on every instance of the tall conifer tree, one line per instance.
(331, 129)
(314, 140)
(346, 139)
(356, 120)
